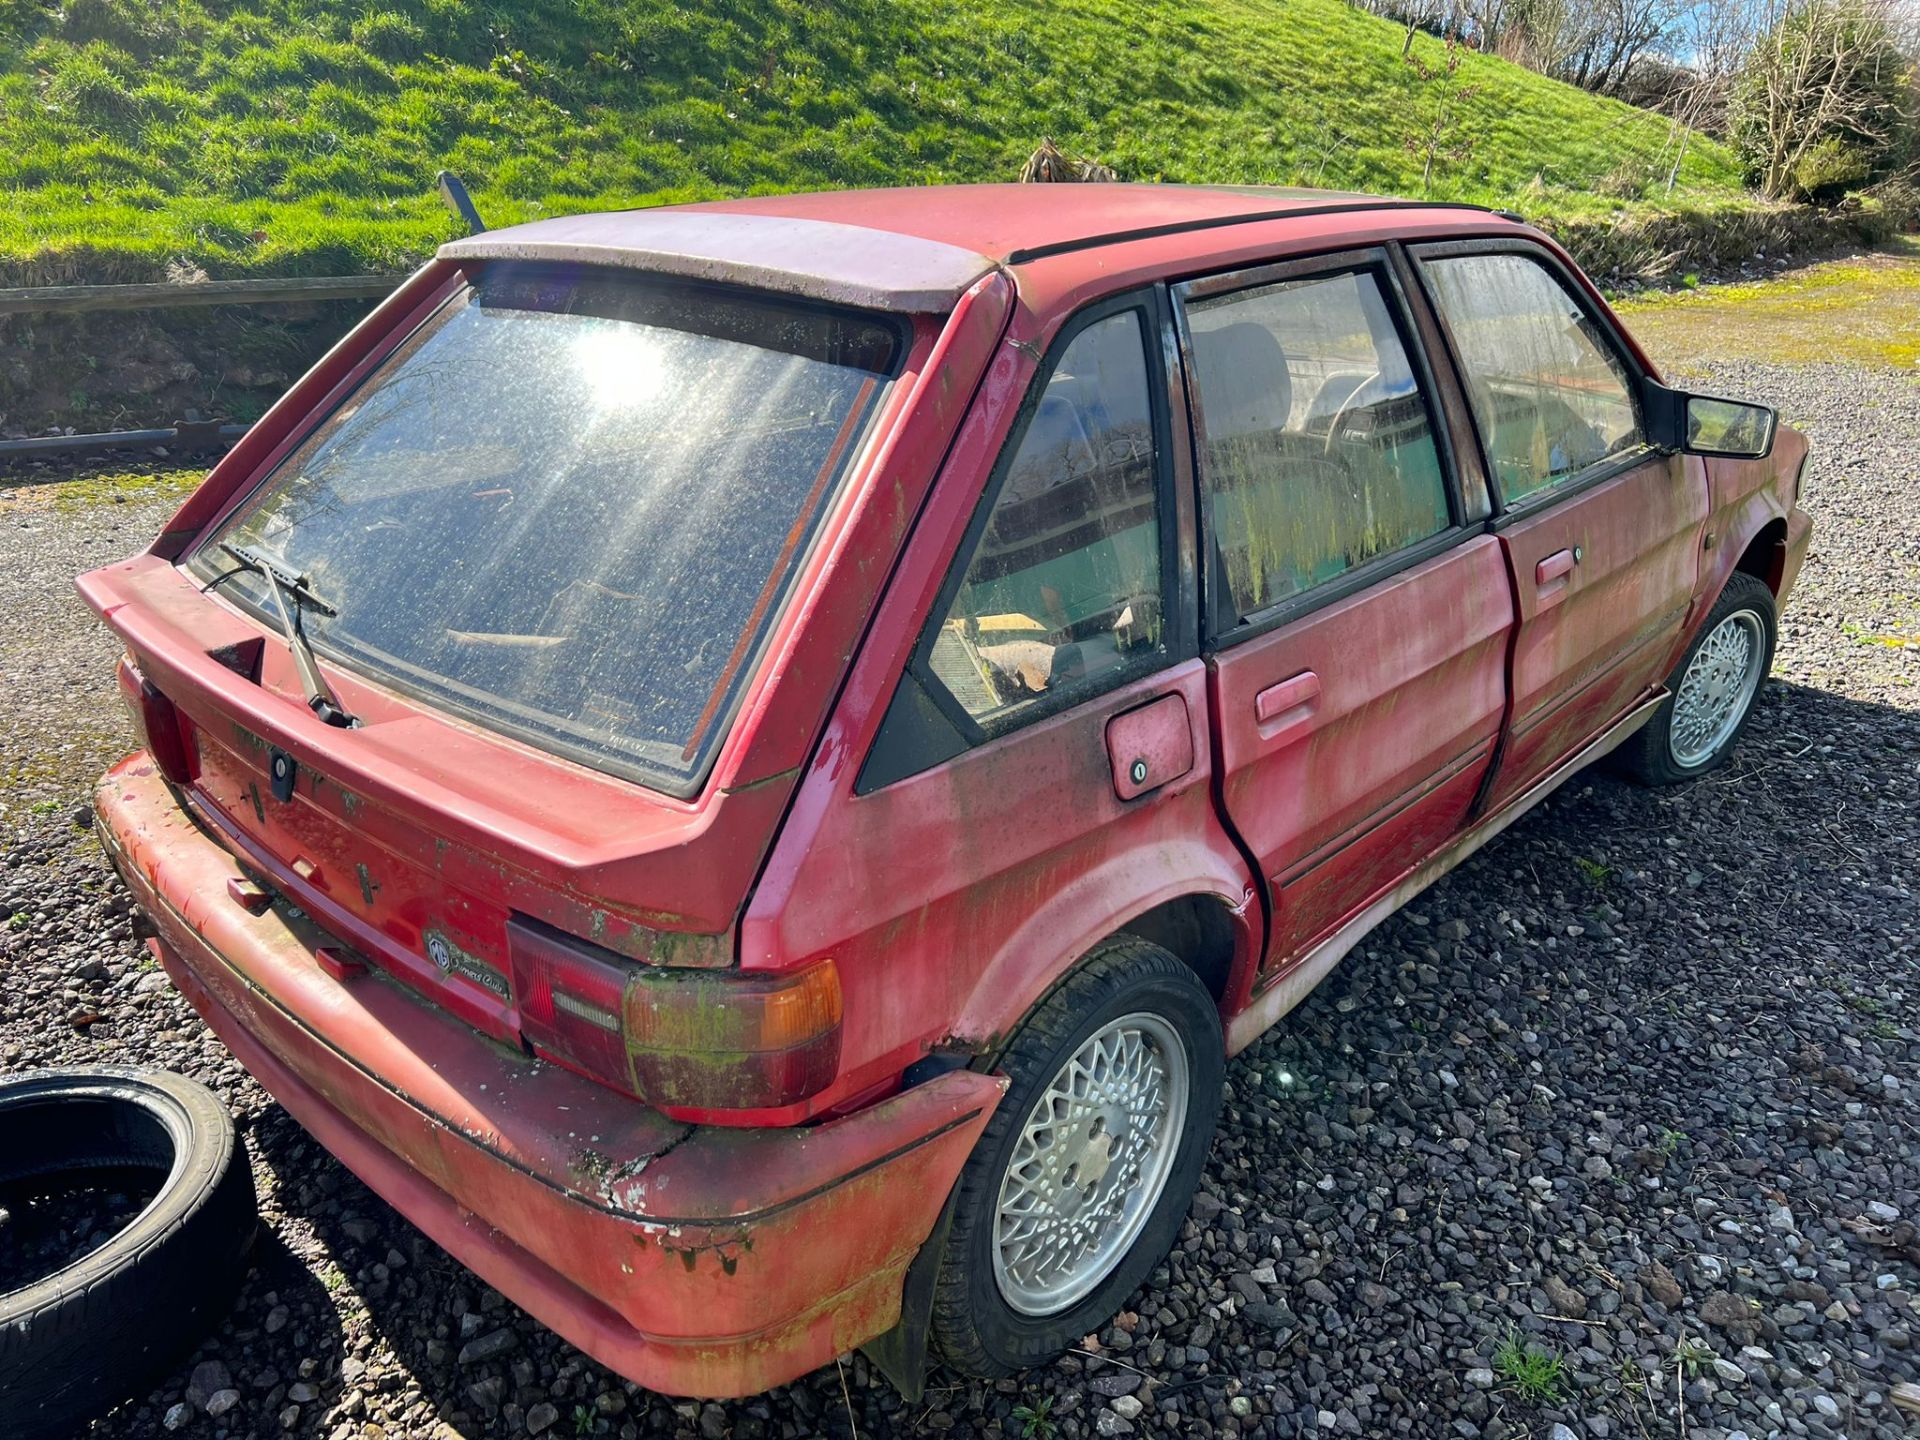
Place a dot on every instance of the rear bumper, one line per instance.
(710, 1262)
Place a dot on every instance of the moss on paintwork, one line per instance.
(679, 949)
(1864, 309)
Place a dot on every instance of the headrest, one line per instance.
(1245, 388)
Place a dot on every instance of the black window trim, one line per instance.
(1177, 605)
(1377, 259)
(1507, 512)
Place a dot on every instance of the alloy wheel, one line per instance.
(1091, 1161)
(1717, 687)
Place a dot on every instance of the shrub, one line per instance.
(1826, 101)
(1831, 168)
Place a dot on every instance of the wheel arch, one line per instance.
(1747, 536)
(1765, 555)
(1204, 913)
(1199, 929)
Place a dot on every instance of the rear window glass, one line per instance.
(570, 505)
(1318, 448)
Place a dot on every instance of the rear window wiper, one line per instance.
(320, 697)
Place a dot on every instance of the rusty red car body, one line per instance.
(1254, 808)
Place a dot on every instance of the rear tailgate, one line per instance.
(412, 839)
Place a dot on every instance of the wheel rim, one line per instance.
(1716, 688)
(1090, 1163)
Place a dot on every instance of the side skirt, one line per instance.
(1266, 1008)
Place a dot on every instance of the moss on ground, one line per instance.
(116, 482)
(1863, 309)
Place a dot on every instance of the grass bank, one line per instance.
(285, 136)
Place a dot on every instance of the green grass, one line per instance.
(1035, 1421)
(1692, 1356)
(1597, 873)
(303, 135)
(1536, 1375)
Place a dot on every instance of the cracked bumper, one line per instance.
(710, 1262)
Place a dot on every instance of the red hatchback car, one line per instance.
(746, 766)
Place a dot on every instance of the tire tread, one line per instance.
(74, 1343)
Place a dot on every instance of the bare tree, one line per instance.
(1825, 82)
(1607, 39)
(1591, 43)
(1437, 137)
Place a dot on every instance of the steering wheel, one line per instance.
(1347, 407)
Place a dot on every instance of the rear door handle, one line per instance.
(1289, 704)
(1554, 575)
(1150, 746)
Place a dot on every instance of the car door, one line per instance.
(1043, 761)
(1601, 533)
(1356, 616)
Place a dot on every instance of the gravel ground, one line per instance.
(1631, 1097)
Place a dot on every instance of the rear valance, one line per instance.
(820, 259)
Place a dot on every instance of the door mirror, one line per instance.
(1707, 424)
(1729, 427)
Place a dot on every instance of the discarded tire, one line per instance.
(142, 1286)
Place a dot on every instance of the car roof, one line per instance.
(1007, 222)
(915, 248)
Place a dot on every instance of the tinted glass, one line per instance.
(1549, 393)
(1318, 447)
(569, 505)
(1063, 591)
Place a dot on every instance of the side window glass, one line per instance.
(1318, 446)
(1550, 395)
(1063, 590)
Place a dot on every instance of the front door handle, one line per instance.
(1553, 576)
(1287, 705)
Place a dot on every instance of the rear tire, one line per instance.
(1079, 1184)
(77, 1340)
(1712, 690)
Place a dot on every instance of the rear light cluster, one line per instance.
(681, 1039)
(155, 721)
